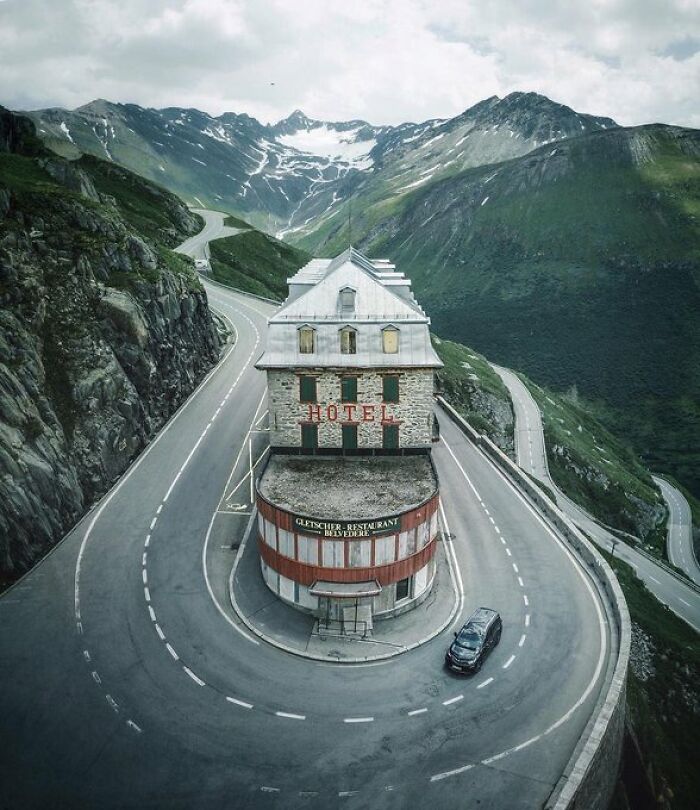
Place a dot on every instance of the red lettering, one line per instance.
(314, 413)
(386, 417)
(350, 412)
(332, 413)
(368, 413)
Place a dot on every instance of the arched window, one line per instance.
(390, 340)
(346, 301)
(348, 340)
(307, 339)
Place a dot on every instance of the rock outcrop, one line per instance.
(103, 334)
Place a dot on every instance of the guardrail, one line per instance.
(589, 778)
(239, 290)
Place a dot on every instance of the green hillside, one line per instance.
(578, 263)
(256, 263)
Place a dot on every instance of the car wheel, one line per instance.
(498, 638)
(477, 666)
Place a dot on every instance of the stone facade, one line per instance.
(413, 412)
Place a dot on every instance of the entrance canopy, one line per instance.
(346, 590)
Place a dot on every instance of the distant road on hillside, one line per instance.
(680, 530)
(531, 456)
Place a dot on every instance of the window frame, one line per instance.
(303, 330)
(351, 332)
(393, 330)
(342, 305)
(407, 581)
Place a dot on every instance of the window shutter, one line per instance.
(390, 436)
(307, 388)
(349, 437)
(390, 388)
(348, 389)
(309, 437)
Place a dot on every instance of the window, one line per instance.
(390, 388)
(348, 389)
(307, 340)
(347, 300)
(308, 549)
(390, 437)
(348, 340)
(349, 437)
(359, 553)
(390, 340)
(307, 388)
(403, 589)
(384, 548)
(333, 553)
(285, 543)
(309, 437)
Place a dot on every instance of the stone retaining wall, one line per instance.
(588, 780)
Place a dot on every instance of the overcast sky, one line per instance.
(385, 61)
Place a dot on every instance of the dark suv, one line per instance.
(474, 641)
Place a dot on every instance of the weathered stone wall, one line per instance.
(413, 412)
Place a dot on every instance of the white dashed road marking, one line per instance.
(452, 700)
(291, 716)
(240, 703)
(194, 677)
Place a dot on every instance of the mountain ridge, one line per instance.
(282, 176)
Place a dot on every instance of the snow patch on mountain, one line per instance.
(66, 131)
(327, 142)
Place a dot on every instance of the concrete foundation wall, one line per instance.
(413, 412)
(589, 778)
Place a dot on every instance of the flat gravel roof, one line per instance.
(348, 487)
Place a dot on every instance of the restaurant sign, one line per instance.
(344, 528)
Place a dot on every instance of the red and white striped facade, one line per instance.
(292, 561)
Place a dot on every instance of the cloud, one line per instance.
(386, 61)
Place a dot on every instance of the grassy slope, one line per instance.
(141, 205)
(598, 471)
(582, 267)
(471, 386)
(663, 696)
(256, 263)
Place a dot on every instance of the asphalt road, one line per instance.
(125, 682)
(531, 456)
(680, 530)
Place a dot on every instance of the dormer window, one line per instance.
(307, 339)
(390, 340)
(348, 340)
(347, 301)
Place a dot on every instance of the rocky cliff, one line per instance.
(103, 333)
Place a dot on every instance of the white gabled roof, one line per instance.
(382, 297)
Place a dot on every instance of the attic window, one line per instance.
(348, 340)
(307, 340)
(347, 300)
(390, 340)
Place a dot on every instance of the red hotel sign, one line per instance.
(349, 412)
